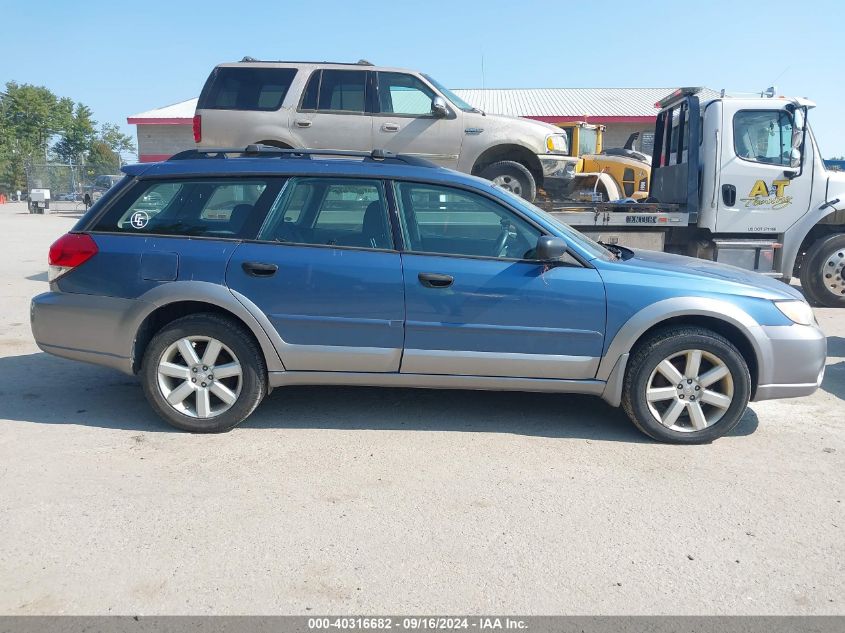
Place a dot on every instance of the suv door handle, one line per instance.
(390, 127)
(729, 195)
(302, 123)
(259, 269)
(433, 280)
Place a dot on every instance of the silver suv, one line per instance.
(364, 107)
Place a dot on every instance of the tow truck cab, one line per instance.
(740, 180)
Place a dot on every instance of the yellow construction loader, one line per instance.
(629, 170)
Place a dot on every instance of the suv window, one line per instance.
(199, 207)
(451, 221)
(763, 136)
(330, 212)
(246, 88)
(336, 90)
(399, 93)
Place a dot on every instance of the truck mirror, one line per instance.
(438, 107)
(795, 158)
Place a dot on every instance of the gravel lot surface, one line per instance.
(399, 501)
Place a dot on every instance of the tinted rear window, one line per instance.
(246, 88)
(204, 207)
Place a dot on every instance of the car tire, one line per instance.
(204, 402)
(669, 405)
(512, 176)
(822, 271)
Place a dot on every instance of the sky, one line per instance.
(124, 57)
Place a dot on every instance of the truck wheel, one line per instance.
(512, 176)
(686, 385)
(823, 271)
(203, 373)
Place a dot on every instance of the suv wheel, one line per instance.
(203, 373)
(823, 271)
(686, 385)
(512, 176)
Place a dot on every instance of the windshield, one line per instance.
(587, 141)
(592, 247)
(451, 96)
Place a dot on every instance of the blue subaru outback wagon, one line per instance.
(219, 275)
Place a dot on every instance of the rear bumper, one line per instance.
(87, 328)
(793, 365)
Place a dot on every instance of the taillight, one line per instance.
(197, 128)
(68, 252)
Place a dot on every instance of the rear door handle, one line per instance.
(302, 123)
(259, 269)
(390, 127)
(434, 280)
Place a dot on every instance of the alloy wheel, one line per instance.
(199, 377)
(690, 390)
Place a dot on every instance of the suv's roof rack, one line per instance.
(360, 62)
(262, 151)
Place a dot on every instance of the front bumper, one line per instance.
(558, 173)
(792, 365)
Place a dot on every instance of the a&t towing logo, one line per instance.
(761, 195)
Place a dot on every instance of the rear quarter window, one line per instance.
(222, 208)
(246, 88)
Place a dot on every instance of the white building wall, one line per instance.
(158, 140)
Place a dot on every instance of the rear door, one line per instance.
(403, 122)
(335, 111)
(325, 273)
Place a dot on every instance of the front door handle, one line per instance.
(390, 127)
(259, 269)
(434, 280)
(302, 123)
(729, 195)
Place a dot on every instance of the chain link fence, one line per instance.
(72, 188)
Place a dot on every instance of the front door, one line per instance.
(477, 304)
(334, 112)
(325, 273)
(404, 124)
(755, 193)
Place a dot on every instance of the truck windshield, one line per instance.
(451, 96)
(587, 141)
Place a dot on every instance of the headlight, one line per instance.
(797, 312)
(557, 143)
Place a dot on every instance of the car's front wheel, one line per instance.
(512, 176)
(686, 385)
(204, 373)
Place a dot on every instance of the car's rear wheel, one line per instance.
(512, 176)
(686, 385)
(204, 373)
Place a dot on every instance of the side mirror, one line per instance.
(438, 107)
(550, 249)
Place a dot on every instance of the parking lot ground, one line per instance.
(399, 501)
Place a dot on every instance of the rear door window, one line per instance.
(224, 208)
(336, 91)
(330, 212)
(246, 88)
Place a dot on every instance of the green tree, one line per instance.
(101, 160)
(28, 118)
(117, 141)
(78, 135)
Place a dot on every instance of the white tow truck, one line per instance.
(738, 180)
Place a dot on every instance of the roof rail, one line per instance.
(247, 59)
(267, 151)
